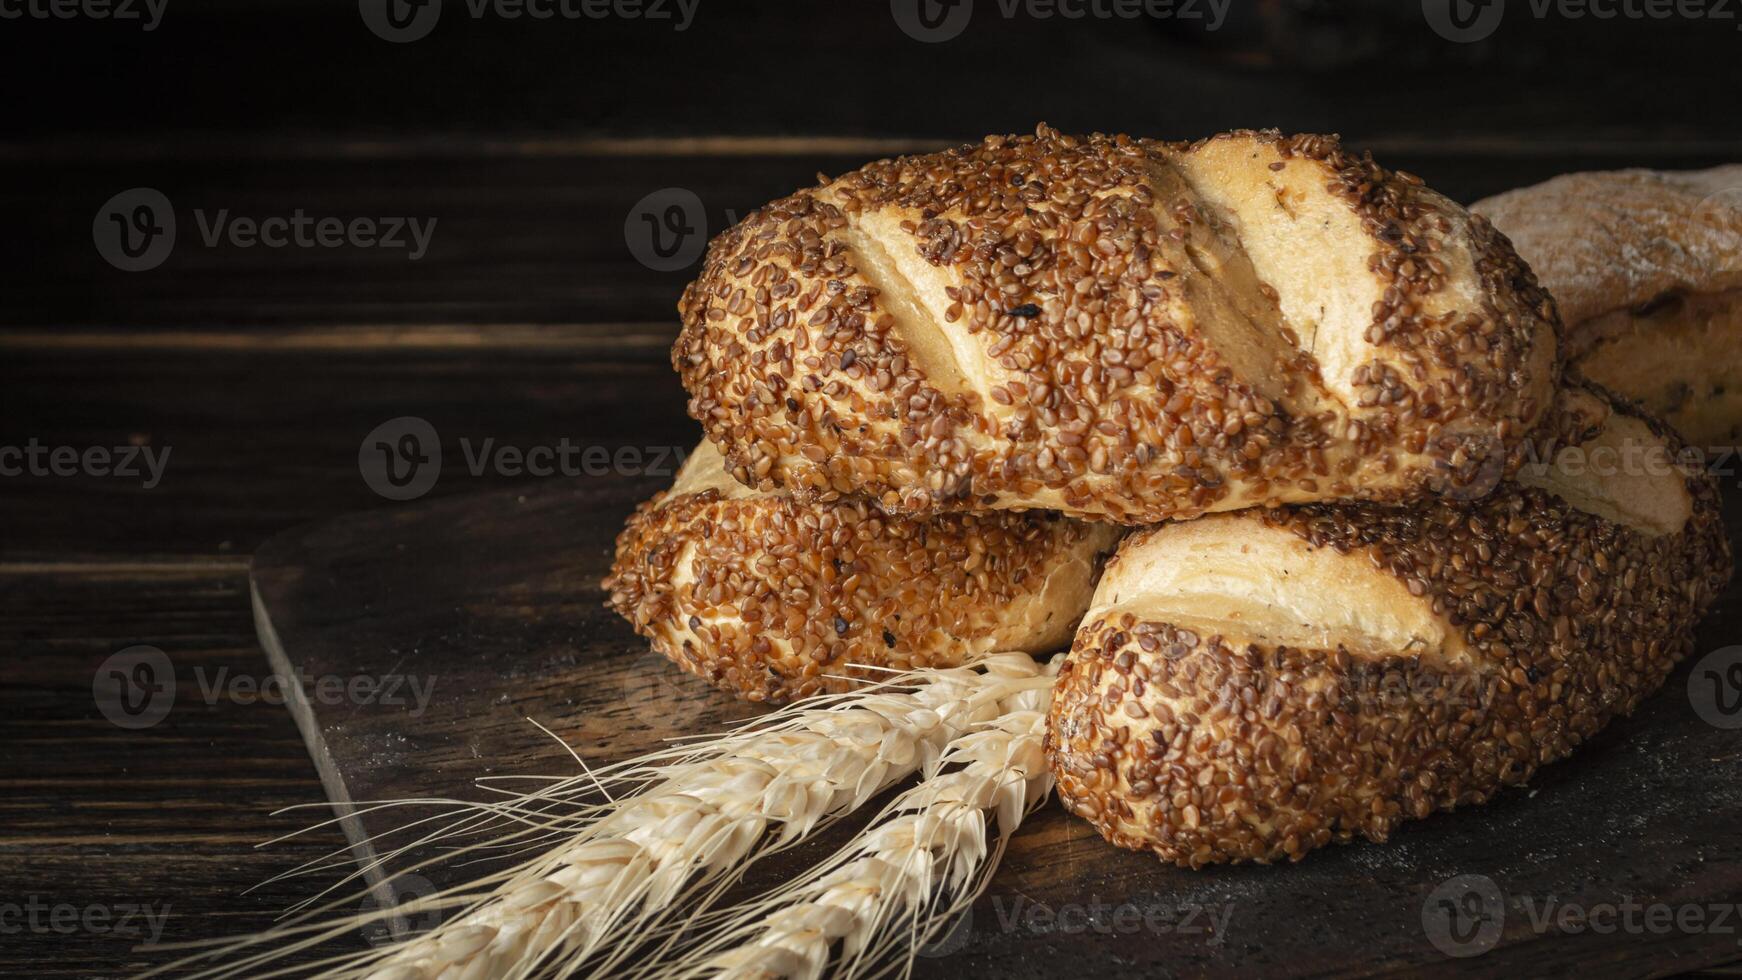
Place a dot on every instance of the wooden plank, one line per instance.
(166, 818)
(765, 68)
(513, 240)
(494, 600)
(266, 436)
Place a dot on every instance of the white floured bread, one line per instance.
(1118, 329)
(1646, 267)
(772, 599)
(1248, 687)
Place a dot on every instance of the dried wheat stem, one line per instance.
(902, 880)
(678, 827)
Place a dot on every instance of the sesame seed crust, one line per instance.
(1206, 739)
(1119, 329)
(767, 598)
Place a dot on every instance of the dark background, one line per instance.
(530, 143)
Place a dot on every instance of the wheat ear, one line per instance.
(675, 829)
(902, 881)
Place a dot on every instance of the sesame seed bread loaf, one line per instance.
(1118, 329)
(1248, 687)
(773, 600)
(1646, 267)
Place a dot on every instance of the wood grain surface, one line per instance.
(492, 604)
(530, 321)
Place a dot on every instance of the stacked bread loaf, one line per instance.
(936, 390)
(1647, 268)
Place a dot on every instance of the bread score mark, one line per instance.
(1230, 576)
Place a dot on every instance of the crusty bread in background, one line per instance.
(1118, 329)
(1252, 686)
(766, 597)
(1646, 267)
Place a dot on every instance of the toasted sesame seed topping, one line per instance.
(1218, 747)
(1052, 321)
(763, 596)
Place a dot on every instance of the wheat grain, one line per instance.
(677, 827)
(903, 879)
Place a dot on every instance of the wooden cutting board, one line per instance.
(488, 610)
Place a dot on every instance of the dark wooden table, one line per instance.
(529, 320)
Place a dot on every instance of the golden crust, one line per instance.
(1119, 329)
(1615, 240)
(1646, 267)
(772, 600)
(1335, 669)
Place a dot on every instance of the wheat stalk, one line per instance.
(903, 879)
(676, 829)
